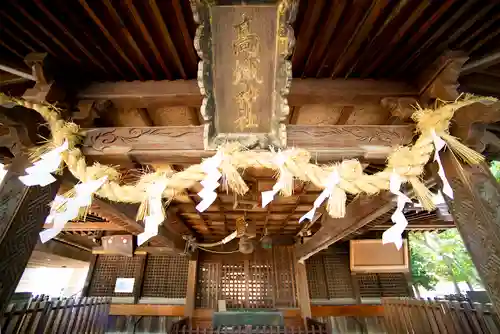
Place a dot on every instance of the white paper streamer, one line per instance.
(332, 181)
(83, 198)
(40, 173)
(210, 182)
(439, 144)
(268, 196)
(394, 233)
(59, 219)
(155, 214)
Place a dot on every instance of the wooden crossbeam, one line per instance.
(326, 143)
(89, 226)
(137, 94)
(359, 212)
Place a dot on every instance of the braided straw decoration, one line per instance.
(408, 162)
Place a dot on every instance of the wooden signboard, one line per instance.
(244, 74)
(370, 255)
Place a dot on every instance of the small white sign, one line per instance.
(124, 284)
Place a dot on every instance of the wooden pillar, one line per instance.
(90, 273)
(476, 210)
(191, 286)
(302, 291)
(139, 277)
(22, 214)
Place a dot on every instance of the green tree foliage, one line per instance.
(442, 255)
(495, 169)
(421, 271)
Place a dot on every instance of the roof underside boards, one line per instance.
(153, 40)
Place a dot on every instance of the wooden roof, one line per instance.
(153, 40)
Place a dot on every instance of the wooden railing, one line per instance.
(405, 315)
(72, 315)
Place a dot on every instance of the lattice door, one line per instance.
(264, 279)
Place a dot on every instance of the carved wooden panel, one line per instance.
(23, 211)
(345, 136)
(184, 144)
(476, 211)
(243, 75)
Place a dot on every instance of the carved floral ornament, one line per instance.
(405, 164)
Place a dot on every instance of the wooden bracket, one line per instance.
(45, 88)
(401, 108)
(440, 80)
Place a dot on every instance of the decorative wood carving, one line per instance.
(401, 108)
(348, 136)
(251, 43)
(22, 214)
(185, 143)
(440, 80)
(475, 126)
(45, 88)
(476, 210)
(85, 114)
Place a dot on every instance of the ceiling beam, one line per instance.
(359, 212)
(140, 94)
(481, 64)
(62, 249)
(185, 143)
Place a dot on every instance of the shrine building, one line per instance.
(247, 166)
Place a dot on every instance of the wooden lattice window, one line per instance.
(328, 274)
(382, 285)
(260, 286)
(316, 277)
(165, 276)
(393, 284)
(369, 286)
(233, 285)
(107, 269)
(338, 274)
